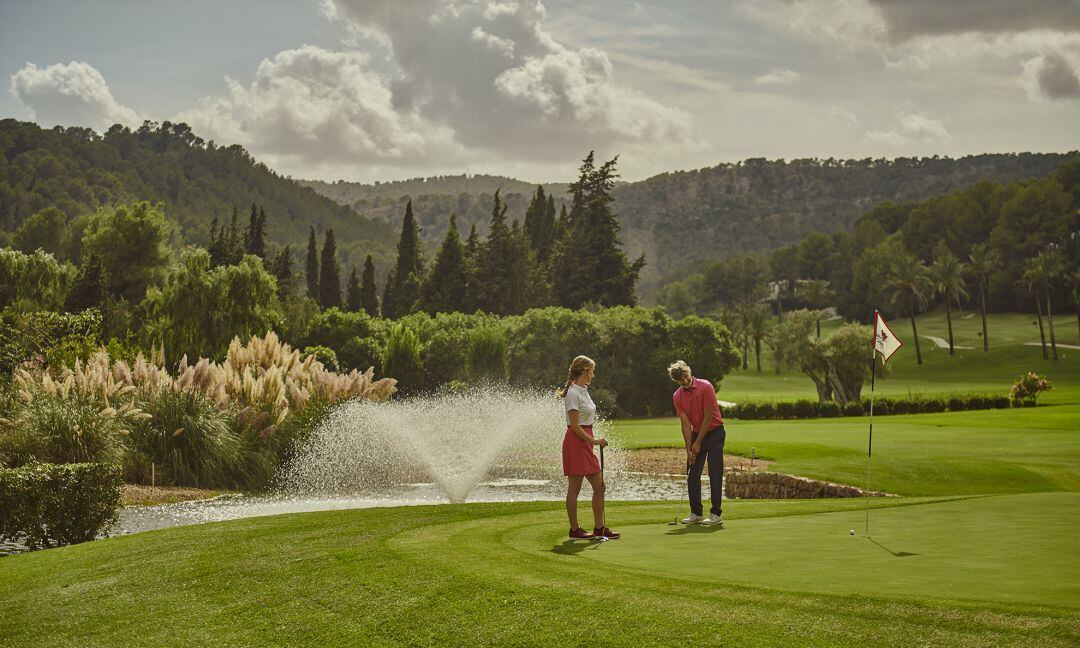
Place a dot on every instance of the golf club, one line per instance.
(603, 515)
(675, 522)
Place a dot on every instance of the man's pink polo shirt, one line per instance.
(694, 402)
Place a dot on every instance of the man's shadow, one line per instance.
(572, 547)
(688, 529)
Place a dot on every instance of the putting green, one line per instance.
(1016, 549)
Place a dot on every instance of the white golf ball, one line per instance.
(852, 532)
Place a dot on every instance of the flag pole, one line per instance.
(870, 439)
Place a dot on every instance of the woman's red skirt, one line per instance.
(577, 454)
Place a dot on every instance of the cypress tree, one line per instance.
(90, 287)
(352, 299)
(473, 248)
(312, 266)
(282, 268)
(589, 264)
(329, 273)
(534, 218)
(403, 284)
(369, 301)
(255, 236)
(444, 289)
(502, 267)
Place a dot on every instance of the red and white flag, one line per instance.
(885, 342)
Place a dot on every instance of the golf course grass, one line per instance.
(981, 549)
(985, 571)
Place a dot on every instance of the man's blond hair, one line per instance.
(678, 370)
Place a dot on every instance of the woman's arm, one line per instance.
(581, 434)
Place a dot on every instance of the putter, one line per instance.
(675, 522)
(603, 516)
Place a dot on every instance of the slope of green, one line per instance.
(781, 574)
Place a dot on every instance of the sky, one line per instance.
(366, 90)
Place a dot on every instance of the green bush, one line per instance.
(487, 354)
(1025, 391)
(932, 405)
(55, 429)
(785, 410)
(828, 409)
(48, 505)
(325, 355)
(882, 407)
(804, 409)
(957, 403)
(187, 438)
(401, 360)
(766, 410)
(853, 408)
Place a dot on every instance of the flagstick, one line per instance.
(870, 441)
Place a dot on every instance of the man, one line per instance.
(704, 436)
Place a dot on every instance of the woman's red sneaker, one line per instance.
(581, 534)
(607, 533)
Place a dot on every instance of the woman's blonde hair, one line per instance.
(577, 367)
(678, 370)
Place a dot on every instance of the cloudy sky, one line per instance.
(382, 89)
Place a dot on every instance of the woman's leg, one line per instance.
(597, 482)
(572, 491)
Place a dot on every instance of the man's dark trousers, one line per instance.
(712, 448)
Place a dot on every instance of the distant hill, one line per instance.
(681, 217)
(79, 170)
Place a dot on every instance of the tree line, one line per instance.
(992, 246)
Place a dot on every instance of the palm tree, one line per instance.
(1032, 281)
(1046, 267)
(947, 276)
(909, 285)
(1074, 281)
(758, 322)
(984, 261)
(817, 295)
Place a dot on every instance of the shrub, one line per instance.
(486, 358)
(48, 505)
(932, 405)
(187, 438)
(828, 409)
(325, 355)
(882, 407)
(1001, 402)
(805, 409)
(68, 427)
(853, 408)
(402, 358)
(957, 403)
(766, 410)
(785, 410)
(1025, 391)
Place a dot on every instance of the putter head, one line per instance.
(602, 539)
(672, 523)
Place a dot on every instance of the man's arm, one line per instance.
(706, 416)
(684, 421)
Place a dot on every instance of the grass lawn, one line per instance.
(987, 571)
(969, 370)
(1020, 450)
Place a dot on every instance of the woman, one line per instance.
(579, 461)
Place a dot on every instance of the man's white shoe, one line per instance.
(693, 519)
(714, 520)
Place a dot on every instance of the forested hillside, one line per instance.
(754, 205)
(77, 170)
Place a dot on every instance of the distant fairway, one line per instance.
(970, 370)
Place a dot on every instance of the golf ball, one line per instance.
(852, 532)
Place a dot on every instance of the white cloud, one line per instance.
(778, 76)
(489, 72)
(70, 94)
(318, 107)
(844, 117)
(912, 128)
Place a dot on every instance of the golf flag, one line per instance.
(885, 342)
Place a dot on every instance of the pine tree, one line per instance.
(329, 274)
(534, 217)
(282, 269)
(473, 249)
(90, 288)
(403, 285)
(502, 267)
(369, 301)
(444, 289)
(312, 267)
(352, 299)
(255, 236)
(588, 264)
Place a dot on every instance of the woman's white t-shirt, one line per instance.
(577, 398)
